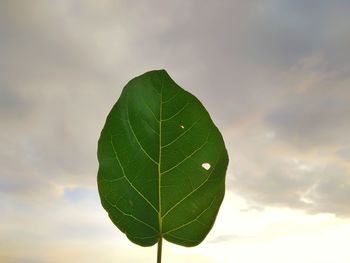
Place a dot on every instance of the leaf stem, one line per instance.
(159, 252)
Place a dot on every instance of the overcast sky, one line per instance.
(274, 75)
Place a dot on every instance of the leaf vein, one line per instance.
(130, 215)
(137, 140)
(193, 220)
(192, 192)
(184, 239)
(182, 134)
(127, 179)
(178, 112)
(112, 180)
(189, 156)
(151, 128)
(160, 219)
(171, 98)
(148, 107)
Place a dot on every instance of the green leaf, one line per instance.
(162, 163)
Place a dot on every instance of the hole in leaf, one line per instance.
(206, 166)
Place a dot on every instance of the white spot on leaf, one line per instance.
(206, 166)
(182, 127)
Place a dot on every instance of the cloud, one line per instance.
(64, 60)
(332, 192)
(49, 103)
(344, 153)
(316, 113)
(224, 239)
(273, 75)
(270, 171)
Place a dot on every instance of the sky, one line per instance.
(274, 75)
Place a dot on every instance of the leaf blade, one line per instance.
(161, 136)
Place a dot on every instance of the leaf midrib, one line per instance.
(160, 219)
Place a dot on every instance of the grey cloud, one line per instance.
(302, 28)
(281, 185)
(317, 117)
(344, 153)
(11, 103)
(332, 192)
(243, 54)
(268, 171)
(48, 102)
(64, 63)
(323, 190)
